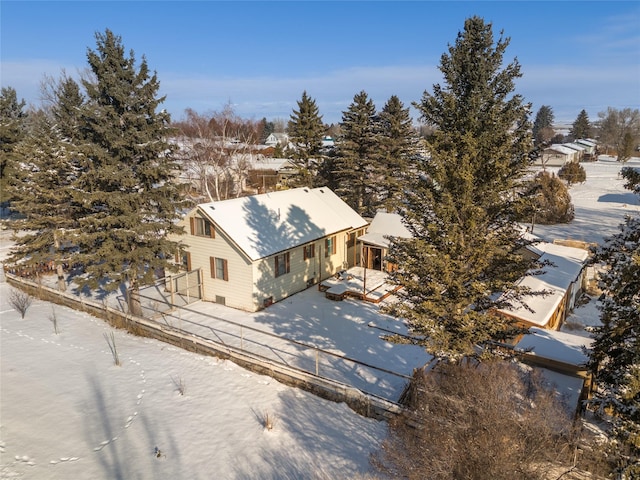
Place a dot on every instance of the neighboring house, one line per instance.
(375, 243)
(328, 141)
(556, 156)
(271, 171)
(257, 250)
(580, 149)
(562, 358)
(563, 279)
(277, 139)
(591, 147)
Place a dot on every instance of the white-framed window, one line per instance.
(282, 264)
(202, 227)
(329, 246)
(219, 268)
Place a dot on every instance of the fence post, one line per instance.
(317, 362)
(241, 338)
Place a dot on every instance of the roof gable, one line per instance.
(263, 225)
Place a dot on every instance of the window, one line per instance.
(309, 251)
(202, 227)
(329, 246)
(282, 264)
(185, 260)
(352, 240)
(219, 268)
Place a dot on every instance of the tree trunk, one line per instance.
(62, 285)
(135, 305)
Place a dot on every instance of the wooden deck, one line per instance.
(358, 282)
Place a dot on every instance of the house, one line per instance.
(253, 251)
(556, 156)
(591, 148)
(580, 149)
(563, 279)
(267, 173)
(274, 139)
(375, 243)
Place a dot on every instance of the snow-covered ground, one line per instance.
(66, 411)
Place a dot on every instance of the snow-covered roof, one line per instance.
(566, 265)
(575, 146)
(561, 149)
(268, 163)
(385, 225)
(263, 225)
(558, 346)
(588, 143)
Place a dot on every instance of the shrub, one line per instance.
(492, 420)
(21, 301)
(572, 172)
(546, 201)
(111, 341)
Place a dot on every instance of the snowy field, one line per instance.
(67, 412)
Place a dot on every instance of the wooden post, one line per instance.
(317, 362)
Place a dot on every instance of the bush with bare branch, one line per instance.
(111, 341)
(484, 421)
(21, 301)
(54, 319)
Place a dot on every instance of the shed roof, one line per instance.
(382, 226)
(559, 346)
(263, 225)
(566, 263)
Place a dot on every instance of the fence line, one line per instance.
(365, 403)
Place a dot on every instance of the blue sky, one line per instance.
(260, 56)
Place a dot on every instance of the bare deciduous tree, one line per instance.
(217, 152)
(478, 421)
(21, 301)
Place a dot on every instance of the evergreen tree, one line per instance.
(581, 127)
(356, 154)
(572, 172)
(460, 205)
(43, 196)
(615, 353)
(67, 107)
(305, 132)
(397, 150)
(12, 118)
(129, 198)
(543, 126)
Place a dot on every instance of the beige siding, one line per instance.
(237, 291)
(301, 271)
(250, 284)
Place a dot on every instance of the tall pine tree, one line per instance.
(357, 155)
(12, 118)
(397, 153)
(581, 127)
(460, 205)
(543, 126)
(128, 195)
(615, 352)
(305, 132)
(43, 196)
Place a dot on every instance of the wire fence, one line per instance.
(370, 379)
